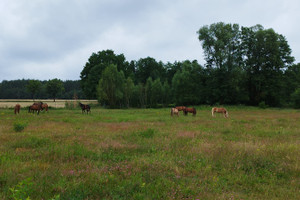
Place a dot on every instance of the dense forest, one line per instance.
(244, 65)
(36, 89)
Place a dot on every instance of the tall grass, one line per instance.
(147, 154)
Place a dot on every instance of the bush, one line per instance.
(19, 126)
(262, 105)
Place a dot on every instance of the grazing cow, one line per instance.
(219, 110)
(17, 108)
(174, 111)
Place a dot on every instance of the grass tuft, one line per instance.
(19, 126)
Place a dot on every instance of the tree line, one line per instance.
(244, 65)
(36, 89)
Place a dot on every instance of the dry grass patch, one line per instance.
(115, 144)
(187, 134)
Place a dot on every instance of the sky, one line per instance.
(50, 39)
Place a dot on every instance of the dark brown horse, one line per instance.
(36, 107)
(17, 108)
(85, 107)
(189, 110)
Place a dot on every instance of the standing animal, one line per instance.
(174, 111)
(219, 110)
(17, 108)
(36, 107)
(45, 106)
(85, 107)
(180, 108)
(189, 110)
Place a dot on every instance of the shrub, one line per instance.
(262, 105)
(19, 126)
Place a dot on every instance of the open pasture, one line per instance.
(147, 154)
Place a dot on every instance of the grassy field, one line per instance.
(147, 154)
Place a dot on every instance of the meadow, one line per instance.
(147, 154)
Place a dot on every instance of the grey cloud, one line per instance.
(59, 36)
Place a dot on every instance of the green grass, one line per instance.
(147, 154)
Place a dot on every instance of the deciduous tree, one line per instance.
(54, 87)
(111, 86)
(33, 86)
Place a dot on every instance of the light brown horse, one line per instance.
(45, 106)
(189, 110)
(219, 110)
(174, 111)
(17, 108)
(180, 108)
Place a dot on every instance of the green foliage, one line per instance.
(156, 93)
(149, 68)
(251, 59)
(54, 87)
(262, 105)
(33, 87)
(22, 190)
(295, 97)
(267, 55)
(138, 96)
(220, 42)
(148, 92)
(128, 91)
(111, 86)
(97, 63)
(19, 126)
(17, 89)
(186, 86)
(56, 197)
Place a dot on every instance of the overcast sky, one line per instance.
(46, 39)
